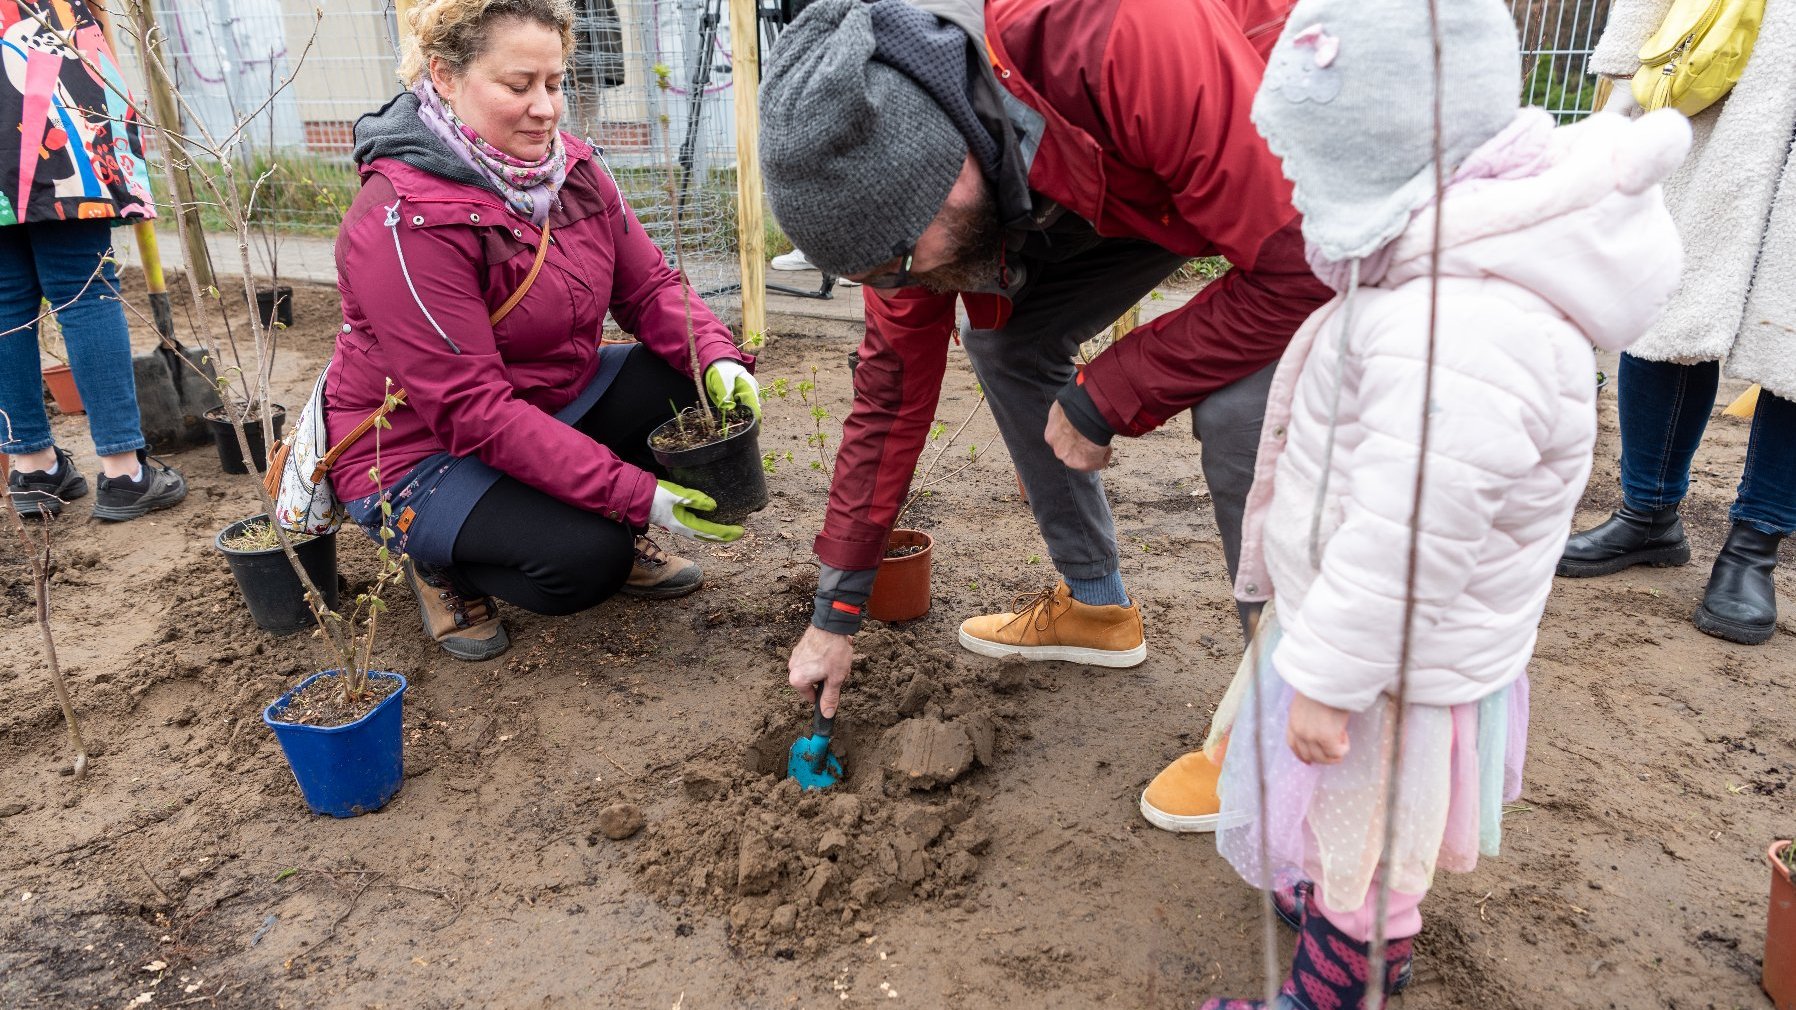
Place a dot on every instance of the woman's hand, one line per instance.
(729, 384)
(676, 509)
(1317, 733)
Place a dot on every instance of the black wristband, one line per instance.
(841, 601)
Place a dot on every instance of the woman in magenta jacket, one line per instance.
(518, 467)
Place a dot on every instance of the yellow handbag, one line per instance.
(1696, 56)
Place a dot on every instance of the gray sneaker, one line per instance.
(37, 493)
(122, 499)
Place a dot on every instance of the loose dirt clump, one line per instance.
(928, 752)
(798, 872)
(620, 821)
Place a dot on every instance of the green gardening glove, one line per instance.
(730, 384)
(676, 509)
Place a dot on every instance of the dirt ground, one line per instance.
(185, 870)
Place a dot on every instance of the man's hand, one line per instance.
(821, 658)
(1317, 733)
(1073, 448)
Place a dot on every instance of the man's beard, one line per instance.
(978, 243)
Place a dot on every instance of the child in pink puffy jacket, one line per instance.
(1550, 240)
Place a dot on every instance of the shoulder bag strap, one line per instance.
(542, 253)
(368, 423)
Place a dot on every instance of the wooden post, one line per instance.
(1129, 321)
(147, 247)
(168, 116)
(400, 10)
(751, 235)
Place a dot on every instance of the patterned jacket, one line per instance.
(63, 99)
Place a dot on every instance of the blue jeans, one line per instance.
(56, 260)
(1664, 409)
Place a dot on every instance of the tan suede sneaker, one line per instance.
(657, 574)
(467, 629)
(1183, 796)
(1052, 625)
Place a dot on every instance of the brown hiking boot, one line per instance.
(659, 575)
(467, 629)
(1052, 625)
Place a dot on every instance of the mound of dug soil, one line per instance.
(797, 872)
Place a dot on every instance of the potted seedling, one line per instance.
(718, 454)
(1779, 973)
(223, 422)
(707, 450)
(58, 377)
(901, 587)
(275, 595)
(341, 728)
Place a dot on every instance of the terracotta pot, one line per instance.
(1022, 492)
(1779, 974)
(901, 589)
(62, 389)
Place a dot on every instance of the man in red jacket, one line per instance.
(1047, 162)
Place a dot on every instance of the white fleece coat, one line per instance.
(1534, 269)
(1734, 201)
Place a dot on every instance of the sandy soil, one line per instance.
(186, 871)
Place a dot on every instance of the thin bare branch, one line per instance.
(37, 552)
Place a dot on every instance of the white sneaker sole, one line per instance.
(1062, 653)
(1201, 824)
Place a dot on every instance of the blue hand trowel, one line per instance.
(810, 761)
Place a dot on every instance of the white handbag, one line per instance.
(298, 477)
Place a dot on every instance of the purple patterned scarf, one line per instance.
(528, 186)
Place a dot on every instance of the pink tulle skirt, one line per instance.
(1282, 818)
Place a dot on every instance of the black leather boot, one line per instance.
(1627, 538)
(1740, 604)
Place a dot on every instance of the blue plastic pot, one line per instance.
(344, 770)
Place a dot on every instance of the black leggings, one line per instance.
(544, 555)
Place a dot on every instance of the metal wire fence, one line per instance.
(1557, 38)
(651, 82)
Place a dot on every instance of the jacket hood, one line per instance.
(395, 131)
(967, 15)
(1573, 214)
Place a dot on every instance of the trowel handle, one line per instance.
(822, 725)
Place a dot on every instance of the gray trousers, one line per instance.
(1023, 365)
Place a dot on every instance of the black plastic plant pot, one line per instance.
(728, 470)
(276, 597)
(230, 455)
(275, 305)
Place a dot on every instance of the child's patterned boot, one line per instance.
(1329, 972)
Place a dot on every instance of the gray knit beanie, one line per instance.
(1347, 104)
(858, 159)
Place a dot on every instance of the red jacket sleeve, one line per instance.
(896, 386)
(1175, 96)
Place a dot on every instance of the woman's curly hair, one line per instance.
(459, 31)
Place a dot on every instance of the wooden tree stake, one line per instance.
(751, 236)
